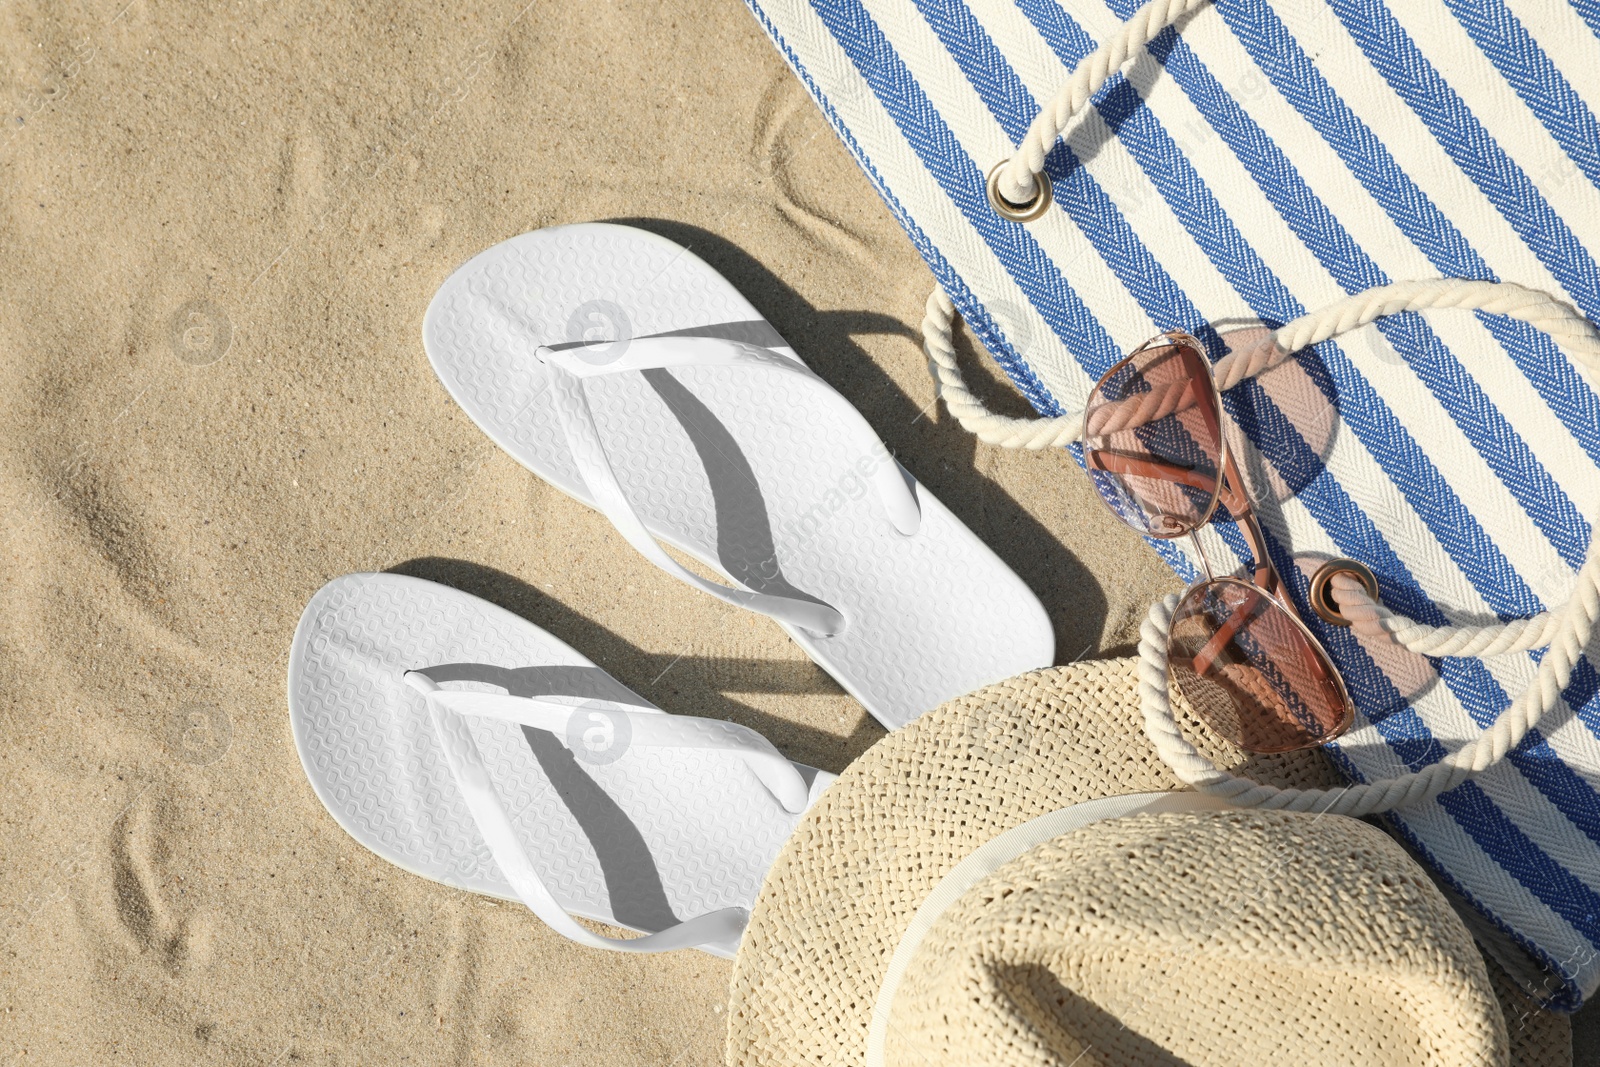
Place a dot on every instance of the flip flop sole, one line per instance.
(743, 469)
(634, 837)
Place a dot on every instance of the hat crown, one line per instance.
(821, 973)
(1198, 937)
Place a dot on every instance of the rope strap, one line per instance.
(1373, 621)
(1018, 181)
(1566, 630)
(1573, 626)
(1370, 619)
(938, 342)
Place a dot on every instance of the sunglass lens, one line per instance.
(1252, 673)
(1153, 438)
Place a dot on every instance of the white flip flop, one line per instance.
(626, 372)
(463, 743)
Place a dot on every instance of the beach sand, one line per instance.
(221, 228)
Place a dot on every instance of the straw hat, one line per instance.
(931, 907)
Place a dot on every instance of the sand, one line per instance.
(220, 231)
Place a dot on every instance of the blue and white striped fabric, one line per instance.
(1265, 159)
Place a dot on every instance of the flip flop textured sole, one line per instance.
(741, 468)
(643, 840)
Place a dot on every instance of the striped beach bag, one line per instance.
(1209, 166)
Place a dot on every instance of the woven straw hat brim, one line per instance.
(844, 888)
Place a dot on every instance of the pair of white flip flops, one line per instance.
(467, 745)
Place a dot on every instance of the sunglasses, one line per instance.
(1238, 650)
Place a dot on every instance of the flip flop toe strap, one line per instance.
(663, 353)
(568, 368)
(448, 709)
(594, 464)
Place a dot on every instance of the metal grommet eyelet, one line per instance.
(1034, 208)
(1321, 594)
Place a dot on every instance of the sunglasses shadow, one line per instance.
(1296, 398)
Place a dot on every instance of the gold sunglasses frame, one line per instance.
(1265, 580)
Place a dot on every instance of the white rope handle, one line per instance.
(1566, 630)
(1575, 334)
(1372, 620)
(1019, 179)
(939, 344)
(1573, 626)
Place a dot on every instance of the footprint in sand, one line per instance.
(147, 892)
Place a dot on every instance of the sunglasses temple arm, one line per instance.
(1212, 649)
(1266, 575)
(1144, 467)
